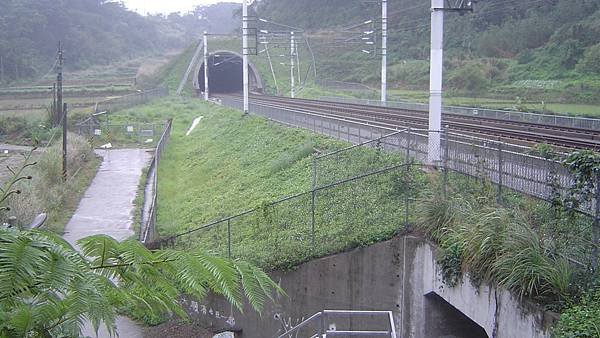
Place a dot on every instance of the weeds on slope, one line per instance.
(46, 192)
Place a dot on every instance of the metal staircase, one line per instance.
(318, 325)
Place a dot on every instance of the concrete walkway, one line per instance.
(107, 208)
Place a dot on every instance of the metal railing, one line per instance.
(345, 85)
(150, 204)
(318, 325)
(555, 120)
(131, 100)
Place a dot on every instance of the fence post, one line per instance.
(445, 163)
(408, 139)
(229, 238)
(313, 201)
(500, 169)
(596, 226)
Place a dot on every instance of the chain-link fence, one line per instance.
(360, 195)
(346, 207)
(108, 135)
(554, 120)
(148, 225)
(509, 166)
(127, 101)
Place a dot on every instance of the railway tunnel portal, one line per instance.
(225, 74)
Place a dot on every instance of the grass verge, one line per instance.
(46, 192)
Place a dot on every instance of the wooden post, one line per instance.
(59, 88)
(64, 143)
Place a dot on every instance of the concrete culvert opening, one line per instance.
(444, 320)
(225, 74)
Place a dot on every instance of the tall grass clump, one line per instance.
(493, 243)
(46, 192)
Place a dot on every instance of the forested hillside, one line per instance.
(504, 45)
(92, 32)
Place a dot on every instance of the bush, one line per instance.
(492, 243)
(413, 73)
(46, 191)
(471, 77)
(590, 63)
(581, 320)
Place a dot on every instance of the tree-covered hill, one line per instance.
(504, 43)
(92, 32)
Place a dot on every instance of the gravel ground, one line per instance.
(177, 329)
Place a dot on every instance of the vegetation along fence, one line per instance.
(509, 166)
(557, 120)
(102, 133)
(148, 225)
(360, 195)
(131, 100)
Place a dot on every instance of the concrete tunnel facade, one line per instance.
(225, 74)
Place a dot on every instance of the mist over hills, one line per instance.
(93, 32)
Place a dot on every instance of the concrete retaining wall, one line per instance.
(400, 275)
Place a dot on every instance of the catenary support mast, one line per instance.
(384, 34)
(245, 52)
(206, 94)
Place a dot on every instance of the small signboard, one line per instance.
(130, 129)
(97, 132)
(147, 132)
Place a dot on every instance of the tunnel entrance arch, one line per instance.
(225, 74)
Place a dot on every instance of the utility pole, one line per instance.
(206, 66)
(1, 69)
(54, 101)
(384, 34)
(64, 143)
(438, 7)
(245, 52)
(292, 90)
(59, 87)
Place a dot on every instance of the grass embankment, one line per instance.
(228, 164)
(232, 163)
(46, 192)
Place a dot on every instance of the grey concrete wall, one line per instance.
(400, 275)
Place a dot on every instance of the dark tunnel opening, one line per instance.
(225, 75)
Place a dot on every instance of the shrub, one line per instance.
(590, 63)
(46, 192)
(581, 320)
(471, 78)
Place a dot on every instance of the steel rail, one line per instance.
(525, 133)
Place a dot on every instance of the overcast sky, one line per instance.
(168, 6)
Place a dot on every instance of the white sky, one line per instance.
(168, 6)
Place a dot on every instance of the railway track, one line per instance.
(514, 132)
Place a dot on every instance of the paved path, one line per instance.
(107, 208)
(13, 148)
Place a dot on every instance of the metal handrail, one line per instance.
(322, 317)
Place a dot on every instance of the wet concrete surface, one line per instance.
(107, 208)
(107, 205)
